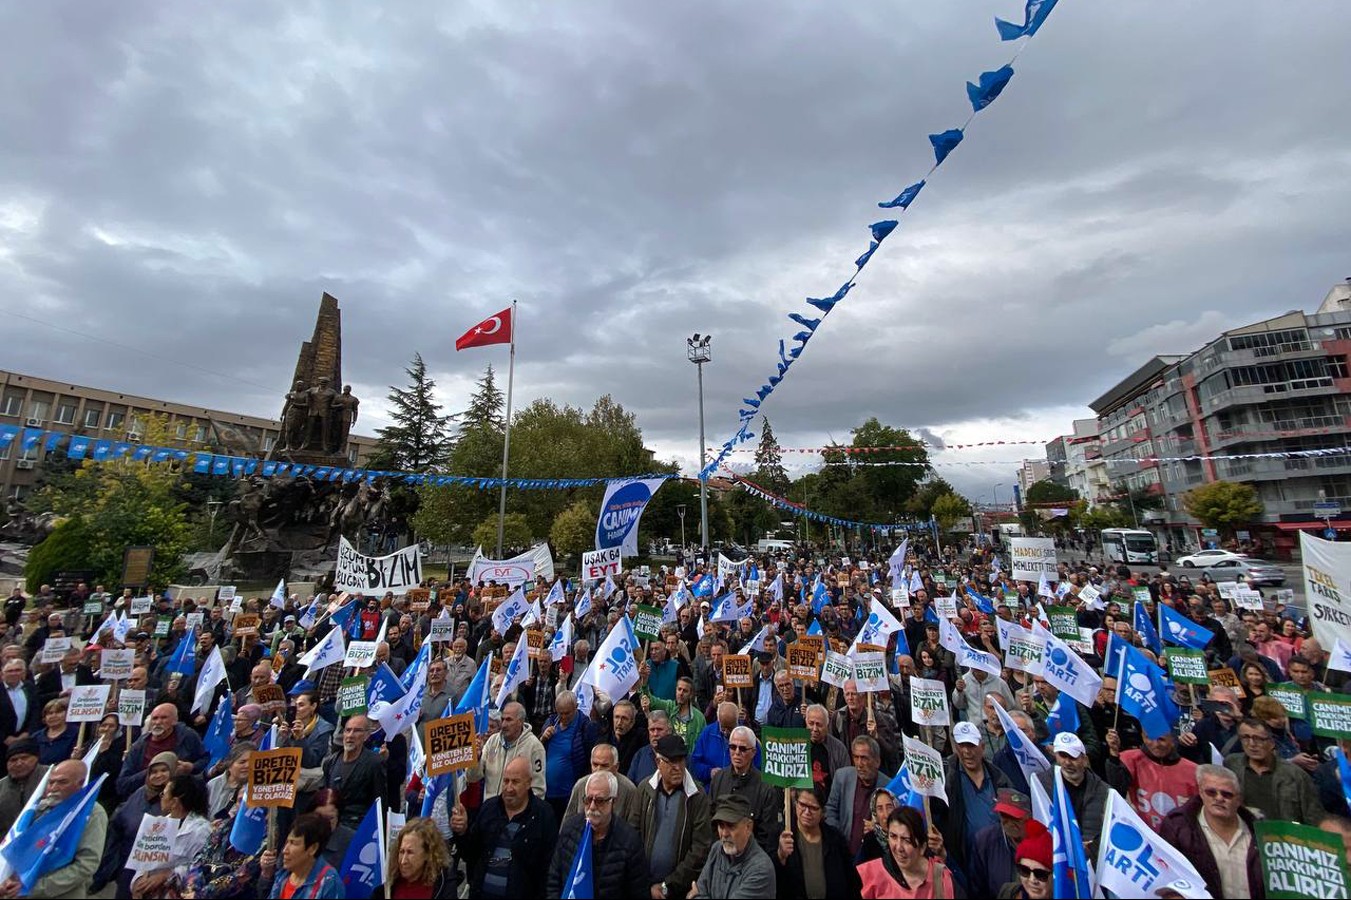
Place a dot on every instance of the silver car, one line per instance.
(1258, 571)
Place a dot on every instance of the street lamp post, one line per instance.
(212, 509)
(680, 511)
(698, 352)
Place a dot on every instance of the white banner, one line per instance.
(870, 672)
(141, 605)
(926, 768)
(360, 654)
(1245, 598)
(537, 561)
(1327, 588)
(54, 648)
(929, 702)
(115, 665)
(375, 575)
(837, 669)
(596, 564)
(1032, 557)
(87, 702)
(728, 569)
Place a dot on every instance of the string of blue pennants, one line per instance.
(981, 93)
(803, 512)
(205, 463)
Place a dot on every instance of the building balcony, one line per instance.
(1282, 469)
(1261, 394)
(1262, 432)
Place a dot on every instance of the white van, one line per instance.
(772, 545)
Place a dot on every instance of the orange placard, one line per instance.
(245, 625)
(535, 639)
(1226, 678)
(271, 697)
(449, 744)
(803, 663)
(273, 777)
(736, 671)
(419, 599)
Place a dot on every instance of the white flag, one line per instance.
(609, 588)
(561, 645)
(949, 637)
(279, 594)
(1066, 670)
(213, 673)
(878, 629)
(583, 604)
(533, 615)
(616, 670)
(1341, 656)
(325, 653)
(510, 608)
(518, 669)
(1216, 757)
(758, 644)
(1009, 630)
(1136, 862)
(555, 594)
(403, 713)
(1030, 759)
(121, 628)
(1044, 588)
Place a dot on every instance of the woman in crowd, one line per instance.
(304, 872)
(56, 742)
(184, 799)
(108, 762)
(814, 863)
(312, 734)
(421, 865)
(1032, 862)
(1254, 679)
(905, 871)
(325, 804)
(221, 790)
(220, 871)
(874, 845)
(126, 821)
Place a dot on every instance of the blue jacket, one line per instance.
(710, 752)
(322, 882)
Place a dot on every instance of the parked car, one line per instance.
(1203, 558)
(1258, 571)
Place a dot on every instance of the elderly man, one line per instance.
(58, 682)
(357, 773)
(460, 670)
(630, 735)
(742, 776)
(604, 758)
(567, 739)
(1214, 831)
(855, 720)
(1270, 785)
(710, 749)
(64, 781)
(510, 839)
(20, 712)
(674, 821)
(514, 740)
(1087, 792)
(851, 791)
(437, 697)
(786, 709)
(163, 733)
(738, 866)
(618, 864)
(973, 787)
(970, 691)
(828, 753)
(22, 776)
(645, 760)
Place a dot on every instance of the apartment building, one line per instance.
(32, 402)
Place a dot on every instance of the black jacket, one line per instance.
(533, 845)
(49, 683)
(765, 799)
(9, 724)
(619, 864)
(950, 817)
(842, 879)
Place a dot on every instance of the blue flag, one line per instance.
(1069, 862)
(944, 143)
(580, 883)
(1063, 716)
(1140, 692)
(48, 842)
(217, 740)
(1178, 629)
(983, 603)
(704, 586)
(184, 659)
(899, 787)
(1033, 17)
(436, 786)
(250, 828)
(1343, 772)
(362, 869)
(820, 598)
(342, 617)
(1145, 626)
(905, 197)
(814, 628)
(990, 86)
(476, 698)
(384, 685)
(930, 615)
(419, 663)
(902, 643)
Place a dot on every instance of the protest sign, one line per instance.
(1291, 696)
(929, 702)
(1142, 595)
(535, 638)
(1187, 666)
(1248, 599)
(87, 702)
(154, 844)
(54, 648)
(271, 697)
(1023, 653)
(786, 756)
(1032, 558)
(1327, 588)
(225, 594)
(115, 665)
(141, 605)
(162, 626)
(1064, 622)
(870, 672)
(1089, 594)
(736, 671)
(398, 572)
(647, 622)
(946, 607)
(1012, 600)
(419, 599)
(273, 777)
(1226, 677)
(1301, 861)
(900, 596)
(93, 607)
(449, 744)
(803, 662)
(596, 564)
(360, 654)
(195, 619)
(442, 630)
(1329, 714)
(1228, 589)
(836, 669)
(246, 625)
(352, 696)
(130, 706)
(926, 768)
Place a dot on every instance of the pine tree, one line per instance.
(419, 438)
(485, 406)
(769, 462)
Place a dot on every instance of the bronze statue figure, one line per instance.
(295, 417)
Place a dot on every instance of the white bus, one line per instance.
(1129, 545)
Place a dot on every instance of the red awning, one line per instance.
(1339, 524)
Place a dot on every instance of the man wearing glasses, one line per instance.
(743, 778)
(1214, 830)
(618, 864)
(1270, 785)
(675, 824)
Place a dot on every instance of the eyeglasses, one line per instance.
(1035, 874)
(739, 748)
(596, 801)
(1212, 793)
(808, 807)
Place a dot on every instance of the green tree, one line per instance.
(1105, 516)
(889, 487)
(419, 439)
(751, 517)
(67, 547)
(926, 494)
(574, 531)
(485, 406)
(769, 471)
(516, 535)
(947, 509)
(1223, 505)
(1048, 491)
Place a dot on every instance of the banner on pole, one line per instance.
(273, 777)
(352, 696)
(1301, 861)
(836, 669)
(116, 665)
(647, 622)
(449, 744)
(736, 671)
(1186, 666)
(1329, 714)
(130, 706)
(1327, 588)
(398, 572)
(154, 844)
(870, 672)
(596, 564)
(1032, 558)
(620, 511)
(929, 702)
(787, 757)
(804, 660)
(87, 702)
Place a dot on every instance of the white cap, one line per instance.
(1184, 888)
(1068, 742)
(965, 733)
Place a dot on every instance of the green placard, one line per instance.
(787, 757)
(1064, 622)
(93, 607)
(162, 626)
(352, 695)
(647, 622)
(1187, 666)
(1291, 696)
(1329, 714)
(1142, 594)
(1300, 861)
(1011, 600)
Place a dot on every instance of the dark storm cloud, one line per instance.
(185, 180)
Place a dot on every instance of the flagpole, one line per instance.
(506, 436)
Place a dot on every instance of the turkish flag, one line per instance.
(492, 330)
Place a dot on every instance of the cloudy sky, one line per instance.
(180, 182)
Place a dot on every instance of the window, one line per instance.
(4, 449)
(92, 417)
(38, 409)
(199, 435)
(268, 443)
(13, 404)
(65, 414)
(136, 426)
(115, 420)
(181, 430)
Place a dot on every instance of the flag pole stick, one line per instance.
(506, 435)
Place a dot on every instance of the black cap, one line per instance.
(732, 808)
(672, 746)
(24, 745)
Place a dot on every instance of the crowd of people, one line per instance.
(661, 789)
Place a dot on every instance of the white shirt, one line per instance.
(19, 700)
(1231, 858)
